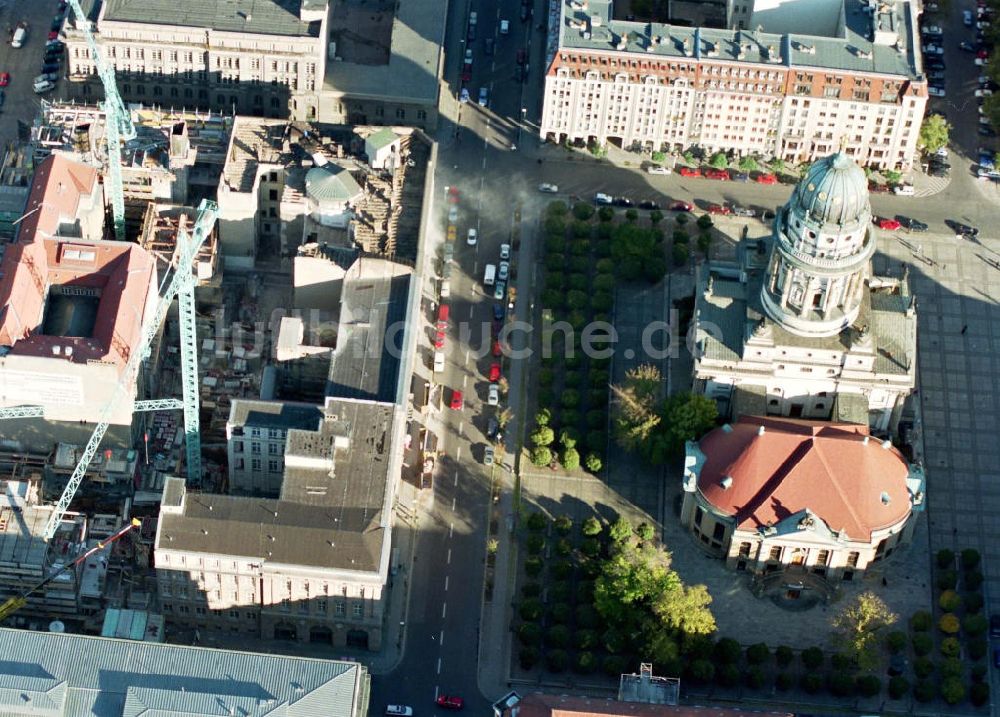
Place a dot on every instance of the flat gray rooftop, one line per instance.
(854, 50)
(48, 673)
(366, 362)
(275, 414)
(412, 71)
(258, 17)
(324, 518)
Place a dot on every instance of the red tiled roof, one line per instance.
(122, 272)
(56, 188)
(829, 468)
(539, 704)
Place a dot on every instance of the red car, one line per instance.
(494, 373)
(4, 79)
(982, 54)
(467, 72)
(690, 172)
(450, 702)
(766, 179)
(453, 195)
(439, 339)
(442, 320)
(719, 209)
(681, 207)
(54, 35)
(456, 400)
(720, 174)
(497, 349)
(889, 224)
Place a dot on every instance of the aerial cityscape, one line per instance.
(580, 358)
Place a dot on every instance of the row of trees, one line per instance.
(747, 163)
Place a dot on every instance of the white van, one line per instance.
(445, 288)
(43, 86)
(19, 36)
(904, 190)
(490, 275)
(438, 361)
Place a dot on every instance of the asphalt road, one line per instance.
(24, 64)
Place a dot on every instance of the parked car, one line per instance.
(522, 57)
(548, 188)
(484, 96)
(40, 87)
(890, 225)
(657, 169)
(452, 214)
(984, 93)
(741, 177)
(504, 27)
(505, 251)
(913, 225)
(935, 91)
(932, 30)
(690, 172)
(904, 190)
(721, 209)
(467, 72)
(494, 374)
(744, 212)
(5, 79)
(468, 55)
(457, 402)
(451, 702)
(399, 710)
(681, 206)
(720, 174)
(648, 204)
(471, 237)
(933, 50)
(493, 395)
(463, 96)
(488, 45)
(601, 198)
(622, 202)
(967, 46)
(967, 18)
(935, 75)
(503, 270)
(994, 625)
(766, 179)
(488, 456)
(500, 290)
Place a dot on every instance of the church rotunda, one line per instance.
(822, 244)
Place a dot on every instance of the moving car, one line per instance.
(521, 57)
(438, 365)
(890, 225)
(452, 214)
(744, 212)
(967, 18)
(453, 195)
(504, 27)
(913, 225)
(40, 87)
(505, 251)
(548, 188)
(657, 169)
(484, 97)
(494, 374)
(452, 232)
(766, 179)
(493, 395)
(439, 337)
(681, 206)
(690, 172)
(463, 96)
(451, 702)
(719, 209)
(399, 710)
(5, 79)
(489, 45)
(471, 237)
(468, 55)
(467, 72)
(967, 46)
(496, 349)
(457, 402)
(962, 230)
(500, 290)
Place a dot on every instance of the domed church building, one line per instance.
(798, 325)
(810, 356)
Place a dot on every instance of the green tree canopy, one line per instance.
(719, 160)
(933, 133)
(748, 164)
(858, 626)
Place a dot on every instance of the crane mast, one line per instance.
(117, 121)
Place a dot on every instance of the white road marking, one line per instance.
(439, 672)
(451, 530)
(453, 504)
(441, 640)
(470, 316)
(446, 583)
(458, 457)
(449, 556)
(436, 688)
(456, 476)
(444, 609)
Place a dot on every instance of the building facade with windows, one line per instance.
(772, 494)
(799, 325)
(267, 59)
(855, 80)
(310, 564)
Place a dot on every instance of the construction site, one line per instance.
(280, 227)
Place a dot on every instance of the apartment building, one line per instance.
(310, 565)
(264, 58)
(838, 73)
